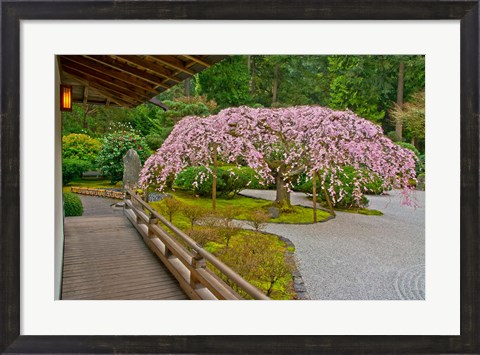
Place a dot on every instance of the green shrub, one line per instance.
(115, 146)
(194, 213)
(420, 161)
(393, 136)
(80, 147)
(347, 178)
(154, 141)
(258, 220)
(73, 169)
(230, 181)
(374, 186)
(72, 205)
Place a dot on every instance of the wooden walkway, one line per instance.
(105, 258)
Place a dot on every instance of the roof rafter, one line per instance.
(127, 80)
(101, 79)
(198, 60)
(120, 98)
(111, 72)
(128, 69)
(150, 66)
(173, 63)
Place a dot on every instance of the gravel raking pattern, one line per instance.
(358, 257)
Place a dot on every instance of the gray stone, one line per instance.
(274, 212)
(92, 174)
(155, 196)
(131, 169)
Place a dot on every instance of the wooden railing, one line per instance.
(98, 192)
(188, 264)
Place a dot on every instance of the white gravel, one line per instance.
(358, 257)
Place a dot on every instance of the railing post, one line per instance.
(127, 197)
(152, 220)
(198, 262)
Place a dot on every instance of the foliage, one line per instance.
(260, 260)
(412, 114)
(367, 84)
(373, 185)
(171, 206)
(73, 169)
(154, 141)
(301, 80)
(114, 146)
(72, 205)
(200, 180)
(189, 106)
(80, 147)
(314, 139)
(194, 213)
(203, 235)
(243, 206)
(93, 120)
(420, 161)
(227, 84)
(258, 220)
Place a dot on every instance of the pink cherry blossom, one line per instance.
(308, 139)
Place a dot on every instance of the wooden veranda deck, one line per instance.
(106, 258)
(135, 253)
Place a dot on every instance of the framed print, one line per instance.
(37, 37)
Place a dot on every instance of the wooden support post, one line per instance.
(214, 182)
(314, 197)
(151, 222)
(198, 262)
(327, 197)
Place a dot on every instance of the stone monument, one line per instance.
(131, 169)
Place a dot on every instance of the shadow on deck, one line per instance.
(106, 259)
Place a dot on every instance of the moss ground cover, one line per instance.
(246, 205)
(258, 257)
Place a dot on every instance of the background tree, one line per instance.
(227, 84)
(412, 114)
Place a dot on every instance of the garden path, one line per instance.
(359, 257)
(106, 258)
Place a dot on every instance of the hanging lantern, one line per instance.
(65, 98)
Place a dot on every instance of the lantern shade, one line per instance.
(65, 98)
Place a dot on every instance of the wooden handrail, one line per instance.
(193, 261)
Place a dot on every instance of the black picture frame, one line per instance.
(12, 12)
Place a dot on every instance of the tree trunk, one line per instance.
(251, 70)
(283, 196)
(399, 123)
(327, 197)
(187, 87)
(275, 84)
(84, 123)
(214, 182)
(88, 111)
(314, 192)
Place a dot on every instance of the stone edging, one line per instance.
(98, 192)
(298, 284)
